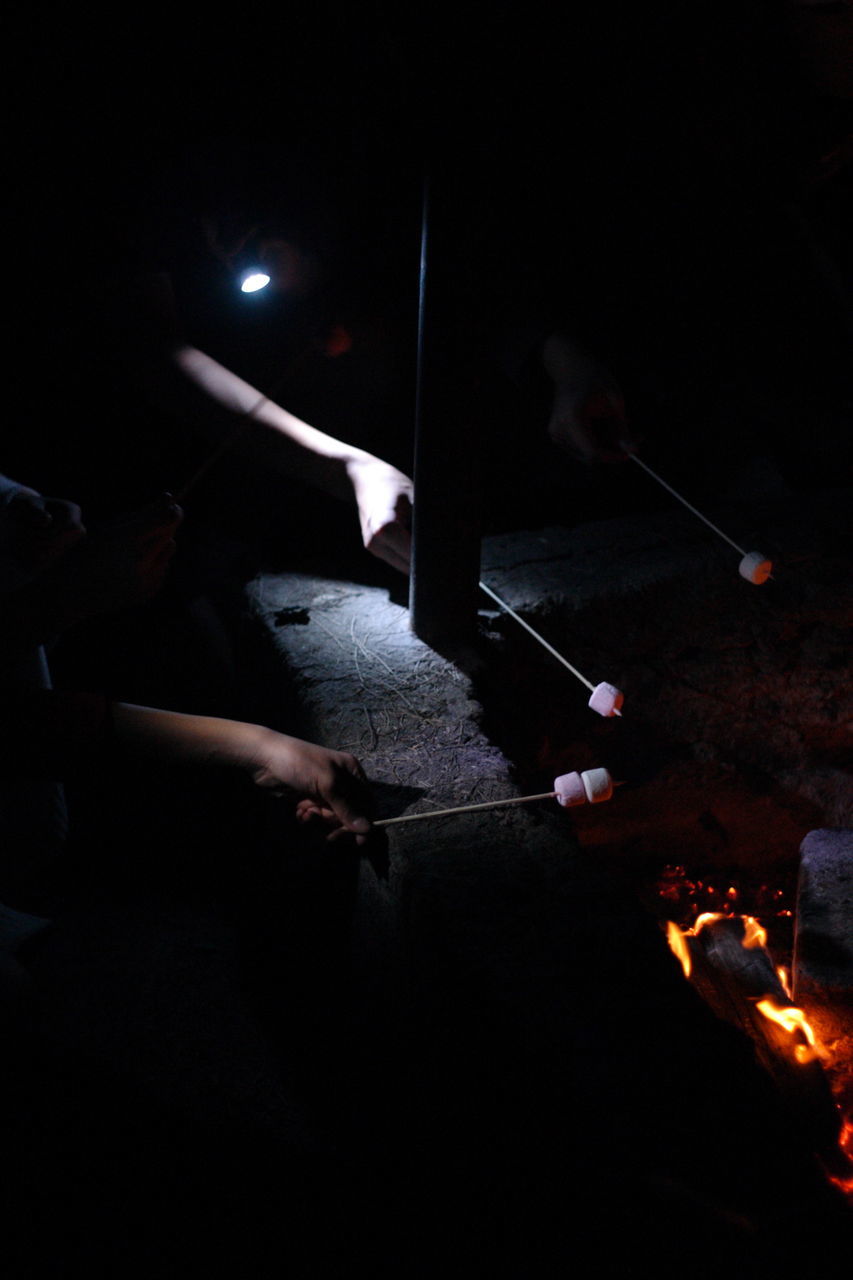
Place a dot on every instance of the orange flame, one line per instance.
(754, 934)
(678, 944)
(793, 1020)
(785, 979)
(806, 1048)
(707, 917)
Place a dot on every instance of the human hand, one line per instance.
(384, 498)
(41, 531)
(588, 418)
(122, 564)
(591, 425)
(332, 782)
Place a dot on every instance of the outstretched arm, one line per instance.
(333, 779)
(267, 431)
(51, 733)
(233, 415)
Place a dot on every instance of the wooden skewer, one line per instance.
(464, 808)
(536, 636)
(224, 445)
(470, 808)
(687, 504)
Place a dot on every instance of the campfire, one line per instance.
(726, 957)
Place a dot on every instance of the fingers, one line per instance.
(135, 552)
(393, 544)
(308, 810)
(341, 799)
(159, 519)
(310, 814)
(56, 514)
(592, 428)
(64, 516)
(31, 511)
(384, 498)
(45, 529)
(348, 797)
(332, 783)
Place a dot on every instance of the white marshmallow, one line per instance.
(597, 784)
(755, 567)
(570, 789)
(590, 787)
(606, 699)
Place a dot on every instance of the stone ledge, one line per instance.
(366, 684)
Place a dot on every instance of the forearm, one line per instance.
(52, 734)
(274, 761)
(49, 732)
(178, 738)
(261, 428)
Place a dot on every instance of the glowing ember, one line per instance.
(845, 1142)
(686, 895)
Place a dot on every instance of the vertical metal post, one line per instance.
(447, 525)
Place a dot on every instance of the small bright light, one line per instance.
(254, 281)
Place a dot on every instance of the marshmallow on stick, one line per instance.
(754, 566)
(590, 787)
(606, 699)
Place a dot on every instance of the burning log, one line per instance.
(726, 961)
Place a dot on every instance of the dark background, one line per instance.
(667, 184)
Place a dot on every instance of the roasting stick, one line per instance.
(464, 808)
(536, 635)
(606, 698)
(590, 787)
(753, 566)
(226, 443)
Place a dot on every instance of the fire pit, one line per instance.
(735, 737)
(554, 1028)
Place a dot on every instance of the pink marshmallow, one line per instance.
(570, 789)
(606, 699)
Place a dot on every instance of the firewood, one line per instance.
(736, 976)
